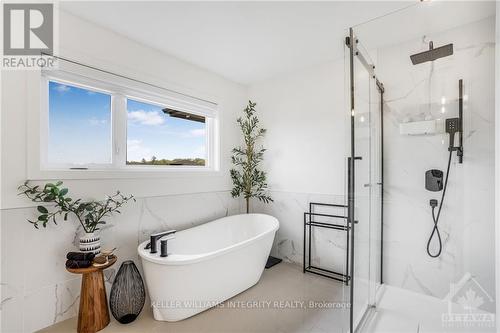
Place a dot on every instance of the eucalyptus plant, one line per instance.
(90, 214)
(248, 180)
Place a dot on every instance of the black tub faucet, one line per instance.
(153, 243)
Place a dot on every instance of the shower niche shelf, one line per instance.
(423, 127)
(310, 222)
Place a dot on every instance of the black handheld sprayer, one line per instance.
(434, 177)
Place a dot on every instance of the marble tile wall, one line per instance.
(328, 246)
(36, 289)
(430, 91)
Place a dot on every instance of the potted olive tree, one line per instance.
(90, 214)
(248, 180)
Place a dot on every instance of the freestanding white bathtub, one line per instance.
(207, 264)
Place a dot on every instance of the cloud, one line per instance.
(200, 152)
(152, 118)
(134, 144)
(61, 88)
(97, 122)
(196, 133)
(137, 151)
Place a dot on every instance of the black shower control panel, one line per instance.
(434, 180)
(452, 125)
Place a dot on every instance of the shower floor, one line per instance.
(401, 311)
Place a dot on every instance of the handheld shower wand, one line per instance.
(453, 126)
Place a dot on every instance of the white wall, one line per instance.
(304, 113)
(36, 289)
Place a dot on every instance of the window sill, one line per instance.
(124, 173)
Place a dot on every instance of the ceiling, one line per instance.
(246, 42)
(426, 19)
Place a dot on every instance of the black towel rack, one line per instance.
(309, 223)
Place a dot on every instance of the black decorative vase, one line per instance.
(127, 293)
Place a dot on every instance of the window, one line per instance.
(79, 126)
(163, 136)
(108, 123)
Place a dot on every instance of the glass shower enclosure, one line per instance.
(365, 181)
(389, 94)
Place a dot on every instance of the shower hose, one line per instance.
(435, 218)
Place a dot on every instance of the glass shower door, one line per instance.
(364, 185)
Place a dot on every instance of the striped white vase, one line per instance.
(90, 243)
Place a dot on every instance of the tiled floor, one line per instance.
(284, 285)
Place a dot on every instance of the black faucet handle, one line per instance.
(161, 234)
(155, 237)
(163, 245)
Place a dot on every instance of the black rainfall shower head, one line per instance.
(432, 54)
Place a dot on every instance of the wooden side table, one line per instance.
(93, 314)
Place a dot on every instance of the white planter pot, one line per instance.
(90, 243)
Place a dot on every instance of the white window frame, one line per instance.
(159, 101)
(120, 89)
(44, 121)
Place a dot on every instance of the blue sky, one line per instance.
(151, 132)
(79, 125)
(80, 129)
